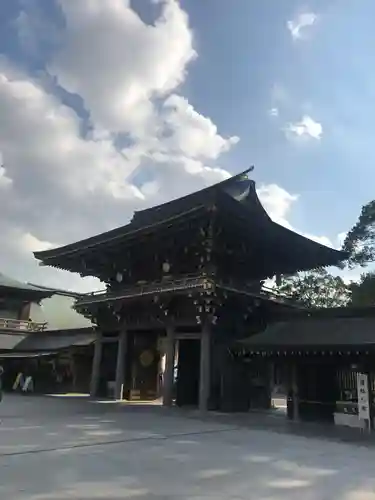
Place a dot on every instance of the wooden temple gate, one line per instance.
(190, 271)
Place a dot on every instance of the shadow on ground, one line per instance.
(138, 452)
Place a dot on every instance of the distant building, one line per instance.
(41, 333)
(16, 301)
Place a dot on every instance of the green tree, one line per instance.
(360, 245)
(363, 291)
(360, 240)
(316, 289)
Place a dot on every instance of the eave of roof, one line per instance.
(58, 291)
(314, 332)
(250, 209)
(106, 238)
(56, 340)
(277, 234)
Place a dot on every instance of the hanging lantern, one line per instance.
(166, 267)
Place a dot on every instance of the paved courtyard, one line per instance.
(58, 448)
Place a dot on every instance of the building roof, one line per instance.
(12, 285)
(143, 220)
(8, 340)
(236, 196)
(315, 333)
(56, 340)
(58, 291)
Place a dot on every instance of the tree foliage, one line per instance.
(363, 292)
(360, 245)
(316, 289)
(360, 240)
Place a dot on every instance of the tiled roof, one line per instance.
(315, 333)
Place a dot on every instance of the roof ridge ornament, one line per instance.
(245, 174)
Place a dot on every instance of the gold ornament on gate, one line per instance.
(146, 358)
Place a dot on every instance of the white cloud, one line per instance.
(29, 243)
(341, 238)
(137, 61)
(278, 203)
(274, 112)
(298, 25)
(306, 128)
(191, 133)
(66, 185)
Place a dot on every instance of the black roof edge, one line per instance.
(327, 313)
(58, 291)
(294, 348)
(69, 331)
(93, 242)
(344, 255)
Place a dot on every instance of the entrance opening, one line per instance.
(187, 384)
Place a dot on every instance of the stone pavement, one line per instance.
(57, 449)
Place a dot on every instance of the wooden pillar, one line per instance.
(205, 368)
(170, 350)
(271, 382)
(295, 392)
(120, 364)
(96, 362)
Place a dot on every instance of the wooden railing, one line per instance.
(176, 283)
(20, 325)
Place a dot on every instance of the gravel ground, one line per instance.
(58, 448)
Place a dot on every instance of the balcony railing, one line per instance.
(20, 325)
(176, 283)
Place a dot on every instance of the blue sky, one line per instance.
(246, 51)
(289, 86)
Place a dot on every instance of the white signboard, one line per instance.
(363, 396)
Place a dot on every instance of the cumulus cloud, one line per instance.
(301, 21)
(63, 177)
(278, 202)
(191, 133)
(67, 181)
(137, 61)
(306, 128)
